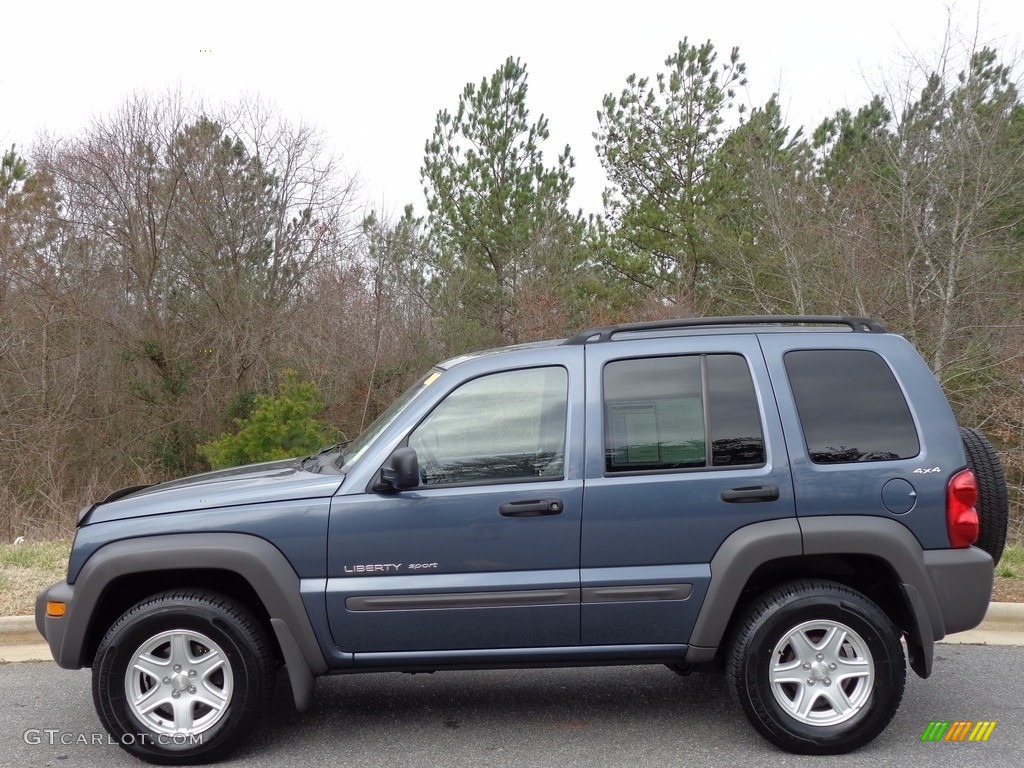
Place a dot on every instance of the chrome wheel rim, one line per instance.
(179, 683)
(821, 673)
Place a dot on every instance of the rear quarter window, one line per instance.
(851, 407)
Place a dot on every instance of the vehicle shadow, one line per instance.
(393, 716)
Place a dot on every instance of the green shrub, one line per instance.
(277, 428)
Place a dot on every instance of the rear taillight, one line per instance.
(961, 516)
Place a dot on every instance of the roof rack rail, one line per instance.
(856, 324)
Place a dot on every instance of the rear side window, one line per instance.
(850, 406)
(660, 411)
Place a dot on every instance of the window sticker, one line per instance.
(668, 432)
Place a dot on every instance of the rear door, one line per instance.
(684, 446)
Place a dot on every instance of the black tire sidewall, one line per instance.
(122, 642)
(993, 503)
(781, 728)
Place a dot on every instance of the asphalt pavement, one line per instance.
(602, 717)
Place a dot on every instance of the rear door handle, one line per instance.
(533, 508)
(751, 493)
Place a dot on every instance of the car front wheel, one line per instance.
(817, 668)
(182, 677)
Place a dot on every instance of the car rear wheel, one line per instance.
(817, 668)
(182, 677)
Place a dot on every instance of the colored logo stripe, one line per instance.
(958, 730)
(935, 731)
(982, 730)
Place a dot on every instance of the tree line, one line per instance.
(168, 267)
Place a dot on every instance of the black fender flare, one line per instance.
(742, 553)
(750, 547)
(254, 559)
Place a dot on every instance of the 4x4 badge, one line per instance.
(926, 471)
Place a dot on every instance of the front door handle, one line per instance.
(751, 493)
(532, 508)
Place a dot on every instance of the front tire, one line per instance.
(182, 677)
(817, 668)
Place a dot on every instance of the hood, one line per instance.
(250, 484)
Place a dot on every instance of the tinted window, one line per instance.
(736, 437)
(850, 406)
(503, 427)
(658, 414)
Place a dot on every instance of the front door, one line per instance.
(485, 552)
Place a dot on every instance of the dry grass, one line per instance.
(1009, 586)
(26, 569)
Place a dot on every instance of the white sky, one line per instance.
(373, 75)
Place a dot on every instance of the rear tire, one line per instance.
(993, 504)
(817, 668)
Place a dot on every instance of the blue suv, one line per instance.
(786, 500)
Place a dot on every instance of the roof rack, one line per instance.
(856, 324)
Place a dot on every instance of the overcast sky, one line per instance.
(373, 75)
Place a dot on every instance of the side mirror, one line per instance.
(399, 473)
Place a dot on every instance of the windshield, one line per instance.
(358, 447)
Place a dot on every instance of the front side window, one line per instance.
(851, 408)
(504, 427)
(660, 412)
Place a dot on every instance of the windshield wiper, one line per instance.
(320, 456)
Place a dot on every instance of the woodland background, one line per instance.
(171, 265)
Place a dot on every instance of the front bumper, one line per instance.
(54, 628)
